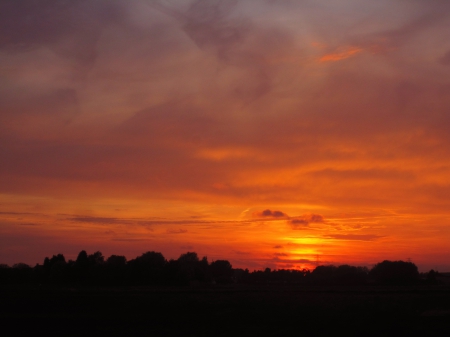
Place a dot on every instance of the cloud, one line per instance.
(267, 213)
(355, 237)
(99, 220)
(157, 221)
(70, 29)
(391, 39)
(340, 54)
(302, 222)
(115, 221)
(314, 218)
(445, 60)
(19, 213)
(176, 231)
(240, 252)
(303, 261)
(236, 42)
(298, 223)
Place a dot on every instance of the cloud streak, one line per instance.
(355, 237)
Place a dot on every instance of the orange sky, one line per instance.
(272, 133)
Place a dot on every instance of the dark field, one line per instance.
(226, 311)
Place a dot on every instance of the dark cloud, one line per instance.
(298, 223)
(304, 221)
(69, 28)
(314, 218)
(209, 25)
(234, 40)
(267, 213)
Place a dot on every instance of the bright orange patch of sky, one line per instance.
(221, 128)
(340, 55)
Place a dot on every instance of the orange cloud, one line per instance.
(341, 55)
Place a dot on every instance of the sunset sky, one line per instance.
(272, 133)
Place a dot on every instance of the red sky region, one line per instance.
(274, 134)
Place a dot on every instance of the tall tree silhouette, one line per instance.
(221, 271)
(147, 268)
(394, 272)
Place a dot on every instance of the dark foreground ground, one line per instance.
(225, 311)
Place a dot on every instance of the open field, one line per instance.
(226, 311)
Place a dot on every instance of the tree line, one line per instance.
(152, 268)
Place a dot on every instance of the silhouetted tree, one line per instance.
(116, 260)
(221, 271)
(20, 273)
(96, 268)
(350, 275)
(151, 268)
(147, 268)
(82, 259)
(188, 269)
(187, 264)
(241, 275)
(81, 268)
(431, 277)
(116, 270)
(4, 273)
(96, 259)
(394, 272)
(323, 275)
(55, 269)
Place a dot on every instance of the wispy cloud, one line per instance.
(176, 231)
(355, 237)
(340, 54)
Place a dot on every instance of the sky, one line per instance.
(272, 133)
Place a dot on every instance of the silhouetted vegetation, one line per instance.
(395, 273)
(151, 268)
(190, 296)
